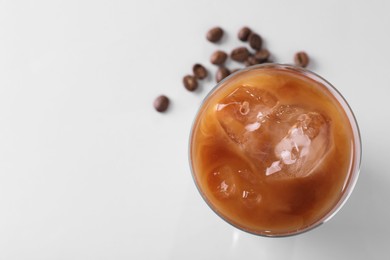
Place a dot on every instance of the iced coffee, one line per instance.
(274, 150)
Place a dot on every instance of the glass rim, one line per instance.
(356, 158)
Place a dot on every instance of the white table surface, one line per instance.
(88, 169)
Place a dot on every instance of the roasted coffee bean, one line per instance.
(200, 71)
(255, 41)
(244, 33)
(301, 59)
(262, 55)
(251, 61)
(190, 82)
(240, 54)
(214, 34)
(161, 103)
(222, 73)
(218, 57)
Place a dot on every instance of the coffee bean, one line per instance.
(301, 59)
(255, 41)
(240, 54)
(200, 72)
(161, 103)
(262, 55)
(222, 73)
(214, 34)
(244, 33)
(251, 61)
(218, 57)
(190, 83)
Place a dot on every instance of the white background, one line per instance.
(88, 169)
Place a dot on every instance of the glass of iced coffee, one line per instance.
(275, 150)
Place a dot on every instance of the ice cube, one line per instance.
(244, 111)
(287, 113)
(251, 198)
(278, 139)
(222, 183)
(311, 123)
(303, 148)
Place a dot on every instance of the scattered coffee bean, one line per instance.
(218, 57)
(222, 73)
(161, 103)
(244, 33)
(251, 61)
(214, 34)
(190, 83)
(200, 71)
(301, 59)
(240, 54)
(255, 41)
(262, 55)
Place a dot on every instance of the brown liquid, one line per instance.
(271, 151)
